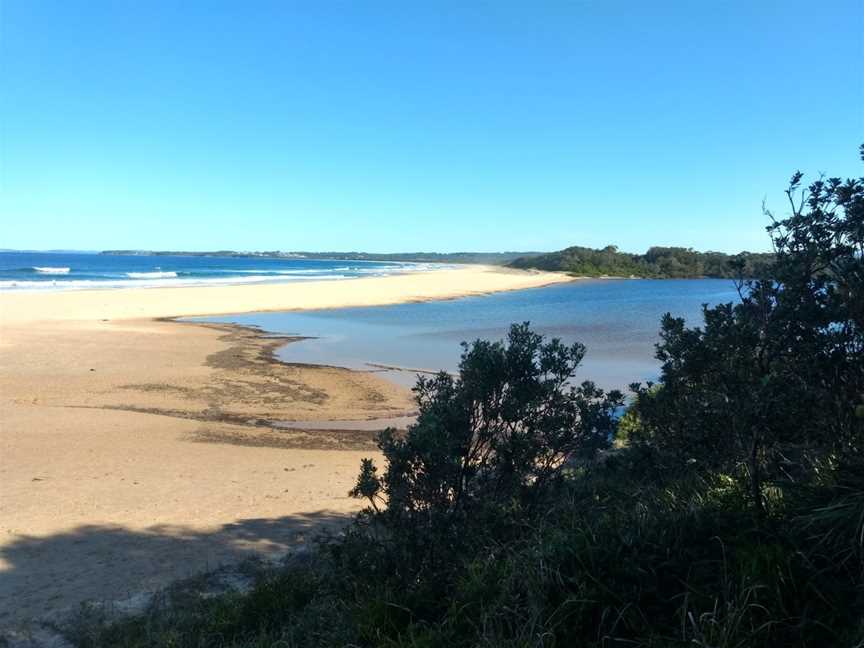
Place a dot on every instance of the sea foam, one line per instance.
(151, 275)
(51, 270)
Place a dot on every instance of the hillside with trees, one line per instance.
(724, 509)
(656, 263)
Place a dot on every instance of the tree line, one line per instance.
(656, 263)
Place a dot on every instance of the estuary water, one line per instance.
(617, 320)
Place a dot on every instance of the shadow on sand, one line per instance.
(43, 576)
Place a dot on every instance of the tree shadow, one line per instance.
(42, 576)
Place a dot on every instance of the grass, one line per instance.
(617, 558)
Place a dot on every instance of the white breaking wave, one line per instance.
(150, 282)
(165, 279)
(51, 270)
(308, 271)
(277, 272)
(151, 275)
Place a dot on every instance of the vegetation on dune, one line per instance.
(729, 513)
(656, 263)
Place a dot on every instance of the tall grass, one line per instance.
(618, 557)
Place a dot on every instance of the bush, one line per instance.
(492, 439)
(496, 523)
(783, 369)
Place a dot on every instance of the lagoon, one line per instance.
(617, 320)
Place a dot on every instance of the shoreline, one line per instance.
(138, 449)
(138, 453)
(203, 301)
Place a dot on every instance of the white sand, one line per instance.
(131, 450)
(138, 303)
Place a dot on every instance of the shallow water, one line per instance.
(618, 321)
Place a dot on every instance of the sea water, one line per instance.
(69, 271)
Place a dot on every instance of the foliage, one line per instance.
(496, 521)
(627, 553)
(784, 368)
(656, 263)
(498, 434)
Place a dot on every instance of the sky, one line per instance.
(406, 126)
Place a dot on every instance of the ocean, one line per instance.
(617, 320)
(69, 271)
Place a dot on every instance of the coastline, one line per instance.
(138, 450)
(191, 301)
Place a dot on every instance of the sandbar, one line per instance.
(136, 450)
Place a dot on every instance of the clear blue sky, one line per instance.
(402, 126)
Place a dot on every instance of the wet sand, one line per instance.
(135, 451)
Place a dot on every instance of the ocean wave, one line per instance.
(51, 270)
(377, 270)
(305, 271)
(151, 275)
(151, 282)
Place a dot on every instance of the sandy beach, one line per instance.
(135, 450)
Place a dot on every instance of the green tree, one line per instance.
(496, 436)
(782, 369)
(657, 262)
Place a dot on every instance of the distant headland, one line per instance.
(491, 258)
(655, 263)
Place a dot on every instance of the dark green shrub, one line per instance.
(491, 440)
(784, 368)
